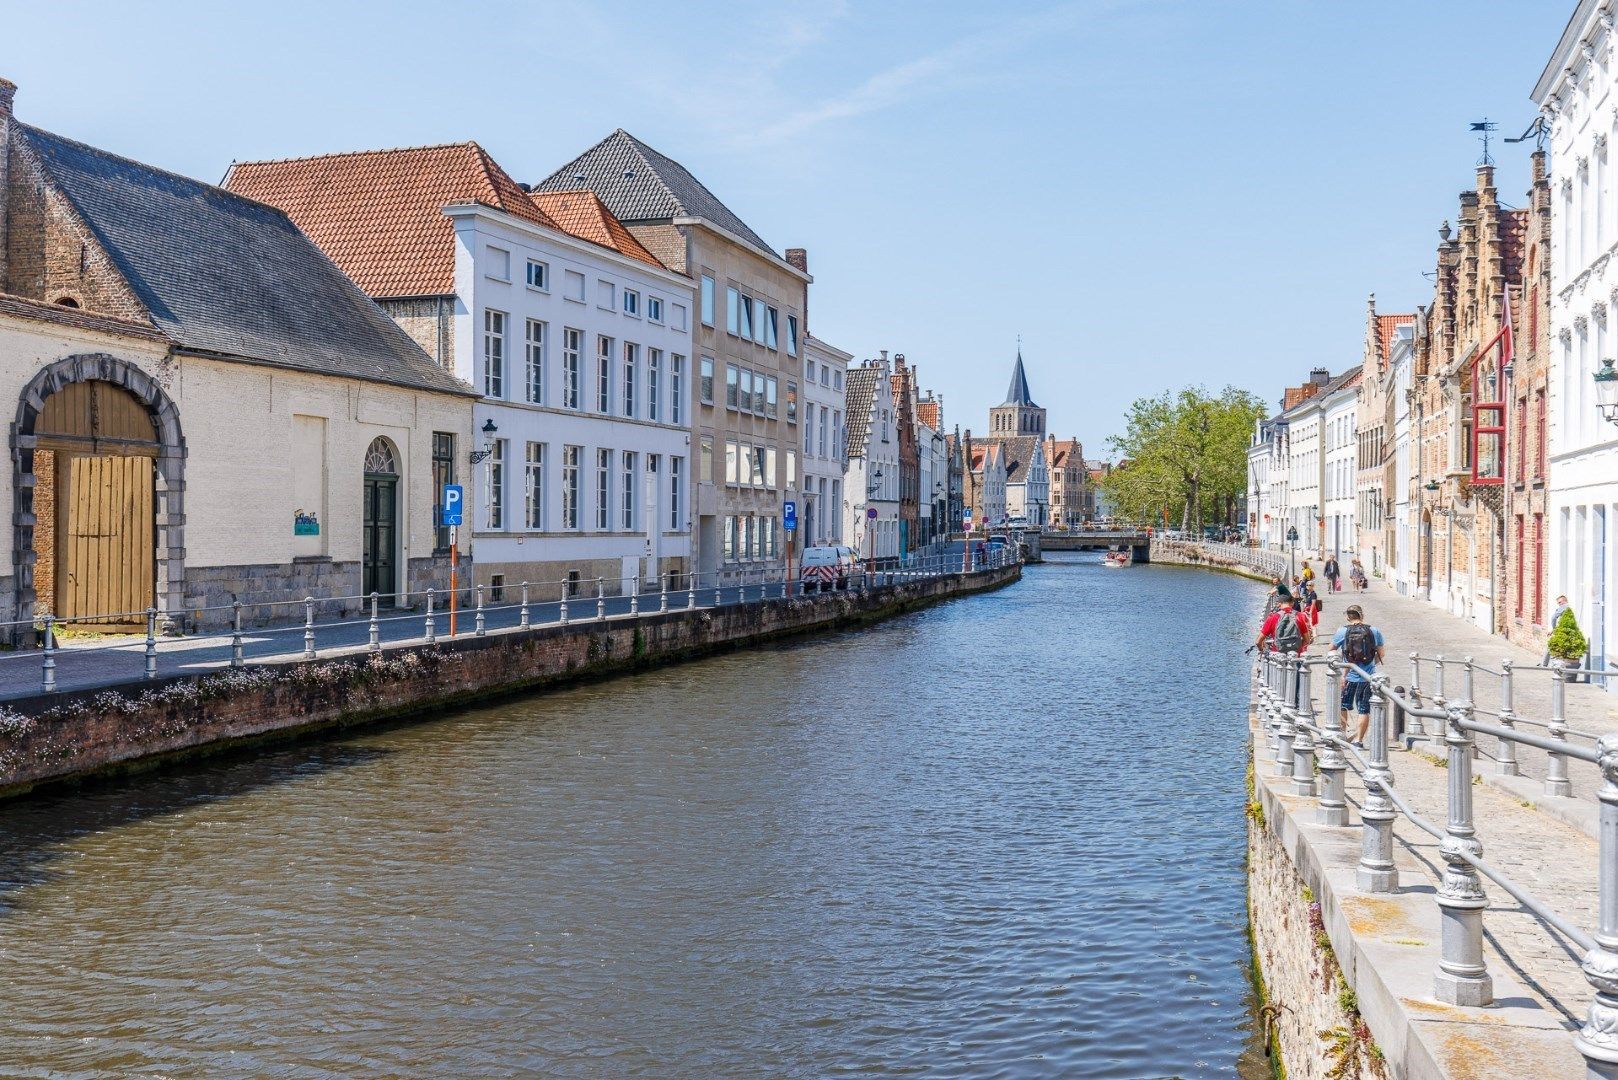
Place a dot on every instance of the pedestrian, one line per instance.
(1273, 601)
(1356, 574)
(1556, 617)
(1285, 629)
(1334, 573)
(1308, 571)
(1359, 643)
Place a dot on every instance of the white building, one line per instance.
(576, 336)
(932, 446)
(1339, 479)
(1402, 573)
(1575, 94)
(821, 516)
(1260, 452)
(871, 484)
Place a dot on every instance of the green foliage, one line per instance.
(1567, 640)
(1183, 453)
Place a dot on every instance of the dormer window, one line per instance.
(65, 301)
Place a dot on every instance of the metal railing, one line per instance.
(1299, 741)
(1260, 560)
(369, 622)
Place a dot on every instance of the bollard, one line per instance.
(1333, 809)
(522, 609)
(1595, 1039)
(561, 616)
(308, 628)
(376, 623)
(1463, 978)
(151, 643)
(1414, 727)
(1303, 744)
(1376, 872)
(717, 598)
(634, 594)
(1506, 754)
(1286, 732)
(236, 659)
(1556, 781)
(477, 621)
(432, 631)
(663, 596)
(47, 672)
(691, 593)
(601, 600)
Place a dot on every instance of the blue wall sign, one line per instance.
(454, 505)
(789, 516)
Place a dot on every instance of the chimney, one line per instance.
(798, 258)
(1320, 376)
(8, 93)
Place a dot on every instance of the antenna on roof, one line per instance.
(1483, 127)
(1539, 129)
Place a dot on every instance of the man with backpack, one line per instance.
(1359, 643)
(1285, 629)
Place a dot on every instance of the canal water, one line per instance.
(1000, 837)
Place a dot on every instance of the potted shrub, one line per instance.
(1567, 642)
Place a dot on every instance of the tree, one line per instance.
(1184, 452)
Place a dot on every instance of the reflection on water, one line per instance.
(1003, 836)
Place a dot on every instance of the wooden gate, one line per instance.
(107, 552)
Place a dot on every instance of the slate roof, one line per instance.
(1019, 451)
(222, 274)
(640, 185)
(584, 215)
(859, 392)
(1017, 393)
(379, 214)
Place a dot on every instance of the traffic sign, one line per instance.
(454, 505)
(870, 513)
(968, 519)
(789, 516)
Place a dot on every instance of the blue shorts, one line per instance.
(1357, 697)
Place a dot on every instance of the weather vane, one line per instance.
(1485, 126)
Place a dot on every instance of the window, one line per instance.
(676, 466)
(792, 401)
(732, 465)
(705, 448)
(705, 375)
(605, 293)
(497, 485)
(770, 390)
(768, 479)
(744, 395)
(443, 474)
(629, 490)
(744, 326)
(539, 275)
(571, 457)
(534, 488)
(499, 263)
(536, 361)
(808, 429)
(631, 302)
(603, 374)
(770, 322)
(573, 286)
(572, 362)
(730, 538)
(677, 316)
(676, 389)
(654, 309)
(837, 380)
(733, 310)
(836, 433)
(731, 379)
(792, 335)
(631, 364)
(707, 299)
(825, 377)
(654, 370)
(822, 433)
(758, 466)
(754, 310)
(494, 353)
(603, 490)
(791, 480)
(809, 371)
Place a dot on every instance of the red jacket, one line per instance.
(1274, 618)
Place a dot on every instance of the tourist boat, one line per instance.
(1117, 558)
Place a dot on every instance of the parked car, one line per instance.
(998, 540)
(1017, 522)
(828, 567)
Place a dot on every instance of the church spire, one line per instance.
(1017, 393)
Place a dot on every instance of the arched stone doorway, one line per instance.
(379, 571)
(98, 471)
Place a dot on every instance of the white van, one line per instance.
(828, 568)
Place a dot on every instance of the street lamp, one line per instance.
(1607, 391)
(1292, 549)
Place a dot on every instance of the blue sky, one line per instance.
(1152, 193)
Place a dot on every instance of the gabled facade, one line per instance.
(1028, 486)
(748, 334)
(577, 337)
(988, 484)
(181, 441)
(902, 389)
(1373, 490)
(1072, 500)
(872, 480)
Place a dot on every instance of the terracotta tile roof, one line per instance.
(583, 214)
(930, 413)
(379, 213)
(1386, 325)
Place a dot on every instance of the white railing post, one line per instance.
(663, 595)
(1333, 808)
(308, 628)
(1303, 744)
(522, 609)
(431, 635)
(375, 628)
(634, 594)
(1556, 781)
(1286, 731)
(1376, 872)
(1463, 977)
(601, 599)
(236, 657)
(691, 591)
(1414, 728)
(478, 624)
(151, 643)
(47, 673)
(1506, 755)
(1598, 1038)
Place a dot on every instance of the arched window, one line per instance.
(66, 301)
(379, 459)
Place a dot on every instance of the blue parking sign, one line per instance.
(454, 505)
(789, 516)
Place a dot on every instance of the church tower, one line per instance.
(1017, 415)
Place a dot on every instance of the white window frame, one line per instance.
(676, 465)
(572, 367)
(572, 466)
(535, 354)
(654, 309)
(630, 302)
(631, 368)
(497, 263)
(494, 353)
(605, 346)
(603, 489)
(654, 371)
(676, 388)
(534, 488)
(543, 273)
(631, 485)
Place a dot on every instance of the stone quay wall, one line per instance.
(69, 736)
